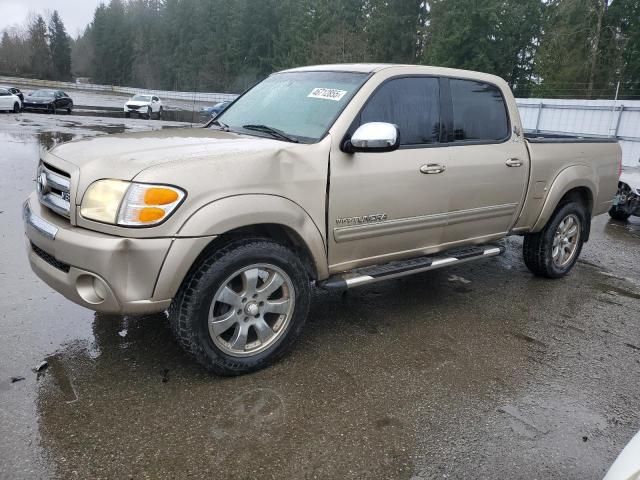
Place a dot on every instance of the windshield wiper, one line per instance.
(274, 132)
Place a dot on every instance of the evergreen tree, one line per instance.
(40, 59)
(493, 36)
(567, 48)
(60, 48)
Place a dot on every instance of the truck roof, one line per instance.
(415, 69)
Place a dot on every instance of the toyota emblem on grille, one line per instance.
(42, 183)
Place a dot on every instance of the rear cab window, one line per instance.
(479, 112)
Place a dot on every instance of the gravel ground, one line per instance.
(477, 371)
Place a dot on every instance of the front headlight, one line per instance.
(129, 204)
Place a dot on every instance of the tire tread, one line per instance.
(184, 308)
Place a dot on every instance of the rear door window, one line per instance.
(411, 103)
(479, 112)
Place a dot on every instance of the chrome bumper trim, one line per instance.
(41, 225)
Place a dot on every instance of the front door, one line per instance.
(384, 206)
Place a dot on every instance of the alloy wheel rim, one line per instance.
(251, 310)
(565, 241)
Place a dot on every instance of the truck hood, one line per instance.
(124, 156)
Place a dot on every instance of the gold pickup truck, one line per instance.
(334, 176)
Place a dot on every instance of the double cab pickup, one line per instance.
(329, 176)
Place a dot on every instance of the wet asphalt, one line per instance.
(477, 371)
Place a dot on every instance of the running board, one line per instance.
(378, 273)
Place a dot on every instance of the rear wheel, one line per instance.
(554, 250)
(160, 113)
(242, 307)
(16, 107)
(149, 111)
(69, 109)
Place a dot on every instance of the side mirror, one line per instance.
(374, 137)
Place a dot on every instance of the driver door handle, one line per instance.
(514, 162)
(432, 168)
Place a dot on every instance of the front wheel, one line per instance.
(242, 307)
(554, 250)
(69, 109)
(149, 111)
(16, 107)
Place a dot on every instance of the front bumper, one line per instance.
(36, 106)
(141, 110)
(102, 272)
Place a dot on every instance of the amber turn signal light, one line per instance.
(160, 196)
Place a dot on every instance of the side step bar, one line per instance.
(378, 273)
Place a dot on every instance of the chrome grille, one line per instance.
(54, 189)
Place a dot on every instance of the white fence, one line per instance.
(601, 118)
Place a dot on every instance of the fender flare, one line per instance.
(229, 213)
(575, 176)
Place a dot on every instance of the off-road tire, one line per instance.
(188, 313)
(538, 247)
(617, 214)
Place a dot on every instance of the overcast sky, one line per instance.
(76, 14)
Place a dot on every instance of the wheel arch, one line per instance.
(572, 184)
(244, 216)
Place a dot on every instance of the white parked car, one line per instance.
(145, 105)
(9, 101)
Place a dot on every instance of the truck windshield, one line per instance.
(301, 106)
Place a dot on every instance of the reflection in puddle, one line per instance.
(621, 229)
(49, 140)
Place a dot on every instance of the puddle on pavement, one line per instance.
(631, 227)
(50, 139)
(383, 380)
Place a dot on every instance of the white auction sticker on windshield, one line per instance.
(327, 94)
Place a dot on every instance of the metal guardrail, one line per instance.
(113, 89)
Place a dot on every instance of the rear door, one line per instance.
(488, 165)
(383, 205)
